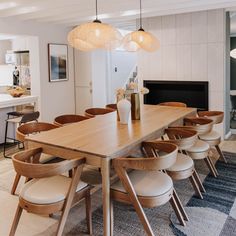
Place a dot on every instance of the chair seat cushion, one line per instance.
(147, 183)
(199, 146)
(48, 190)
(183, 162)
(213, 135)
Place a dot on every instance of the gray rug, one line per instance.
(215, 215)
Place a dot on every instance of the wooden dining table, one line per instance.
(103, 138)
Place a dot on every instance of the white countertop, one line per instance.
(6, 100)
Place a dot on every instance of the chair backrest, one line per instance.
(183, 138)
(32, 128)
(200, 124)
(160, 155)
(216, 116)
(26, 164)
(91, 112)
(173, 104)
(28, 117)
(233, 101)
(68, 118)
(111, 106)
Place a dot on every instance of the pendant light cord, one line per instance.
(96, 6)
(96, 10)
(140, 14)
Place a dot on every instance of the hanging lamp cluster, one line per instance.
(97, 35)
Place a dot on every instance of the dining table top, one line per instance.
(105, 136)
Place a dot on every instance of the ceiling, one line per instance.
(72, 12)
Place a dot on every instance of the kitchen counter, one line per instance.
(6, 100)
(8, 104)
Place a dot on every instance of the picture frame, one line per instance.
(58, 62)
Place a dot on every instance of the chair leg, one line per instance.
(5, 141)
(207, 161)
(222, 157)
(195, 186)
(213, 166)
(177, 211)
(112, 217)
(15, 184)
(16, 220)
(88, 212)
(180, 206)
(199, 182)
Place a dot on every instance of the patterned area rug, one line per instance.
(215, 215)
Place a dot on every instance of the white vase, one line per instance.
(124, 107)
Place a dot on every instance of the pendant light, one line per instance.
(94, 35)
(140, 39)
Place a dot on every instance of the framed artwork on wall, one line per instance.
(58, 62)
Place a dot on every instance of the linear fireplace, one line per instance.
(194, 94)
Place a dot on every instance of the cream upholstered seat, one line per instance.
(147, 183)
(199, 146)
(213, 135)
(147, 186)
(183, 162)
(48, 190)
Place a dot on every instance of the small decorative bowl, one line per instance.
(16, 92)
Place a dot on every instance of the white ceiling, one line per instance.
(72, 12)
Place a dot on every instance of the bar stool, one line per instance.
(146, 185)
(92, 112)
(21, 134)
(213, 138)
(68, 119)
(173, 104)
(18, 119)
(200, 150)
(184, 165)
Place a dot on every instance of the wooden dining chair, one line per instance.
(92, 112)
(173, 104)
(146, 186)
(112, 106)
(200, 150)
(24, 131)
(68, 119)
(184, 165)
(213, 138)
(48, 191)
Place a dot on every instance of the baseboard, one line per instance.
(229, 134)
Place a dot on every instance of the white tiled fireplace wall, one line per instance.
(192, 49)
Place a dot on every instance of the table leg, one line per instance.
(105, 170)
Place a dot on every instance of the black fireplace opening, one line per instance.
(193, 93)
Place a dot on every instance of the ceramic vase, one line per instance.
(124, 108)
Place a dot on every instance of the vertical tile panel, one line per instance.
(199, 27)
(183, 28)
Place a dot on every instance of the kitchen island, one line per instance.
(9, 103)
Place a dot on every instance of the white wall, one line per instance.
(4, 46)
(192, 49)
(125, 62)
(55, 98)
